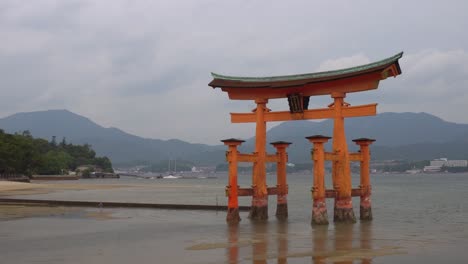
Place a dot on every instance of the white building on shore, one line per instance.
(437, 164)
(444, 162)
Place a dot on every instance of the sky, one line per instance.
(144, 66)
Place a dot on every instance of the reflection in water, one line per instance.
(282, 234)
(319, 244)
(343, 244)
(260, 242)
(233, 249)
(366, 239)
(343, 240)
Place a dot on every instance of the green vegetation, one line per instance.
(23, 154)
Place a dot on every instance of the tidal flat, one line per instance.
(417, 219)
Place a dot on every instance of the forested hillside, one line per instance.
(23, 154)
(408, 136)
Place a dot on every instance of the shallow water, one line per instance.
(417, 219)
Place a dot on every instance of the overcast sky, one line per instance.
(144, 66)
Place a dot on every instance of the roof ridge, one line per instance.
(358, 68)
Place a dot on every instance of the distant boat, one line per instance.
(171, 177)
(169, 172)
(432, 169)
(207, 177)
(413, 171)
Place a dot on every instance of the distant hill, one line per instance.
(114, 143)
(422, 151)
(413, 136)
(391, 129)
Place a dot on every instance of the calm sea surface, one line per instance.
(417, 219)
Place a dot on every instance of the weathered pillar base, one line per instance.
(319, 213)
(365, 212)
(259, 209)
(343, 212)
(258, 213)
(233, 215)
(282, 211)
(282, 207)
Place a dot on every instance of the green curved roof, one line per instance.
(317, 75)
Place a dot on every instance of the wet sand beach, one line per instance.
(414, 222)
(8, 188)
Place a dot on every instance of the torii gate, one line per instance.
(298, 89)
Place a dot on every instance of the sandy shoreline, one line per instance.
(8, 188)
(15, 211)
(20, 208)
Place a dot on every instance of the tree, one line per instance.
(63, 144)
(104, 163)
(27, 133)
(22, 154)
(53, 142)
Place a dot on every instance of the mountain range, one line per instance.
(411, 136)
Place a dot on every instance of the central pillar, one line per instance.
(341, 171)
(259, 209)
(281, 182)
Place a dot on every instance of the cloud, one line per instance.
(143, 66)
(344, 62)
(433, 81)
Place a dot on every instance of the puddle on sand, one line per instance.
(349, 255)
(207, 246)
(101, 215)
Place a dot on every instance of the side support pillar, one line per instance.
(281, 182)
(232, 188)
(319, 207)
(365, 186)
(341, 171)
(259, 209)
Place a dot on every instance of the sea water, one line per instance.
(418, 218)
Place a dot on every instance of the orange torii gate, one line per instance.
(298, 89)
